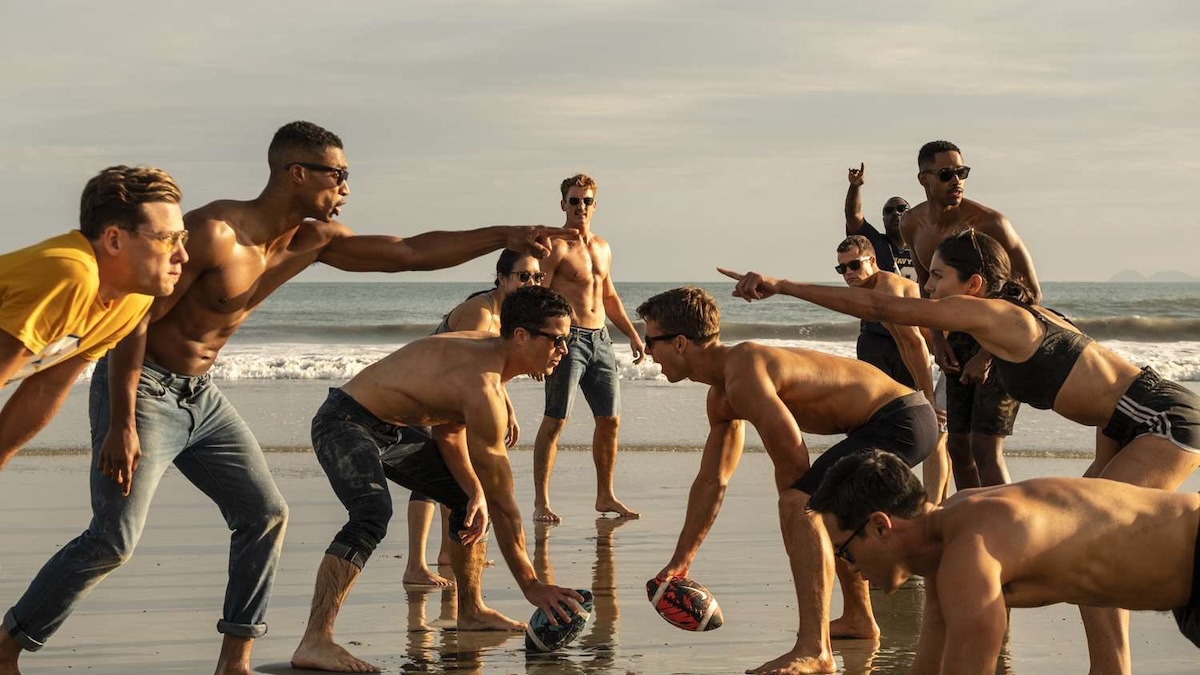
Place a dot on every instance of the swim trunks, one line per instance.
(1152, 405)
(979, 407)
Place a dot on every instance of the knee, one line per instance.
(793, 502)
(608, 425)
(552, 427)
(371, 517)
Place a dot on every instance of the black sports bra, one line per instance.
(1036, 381)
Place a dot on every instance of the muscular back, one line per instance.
(227, 276)
(579, 270)
(1084, 541)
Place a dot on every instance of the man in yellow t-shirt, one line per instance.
(66, 301)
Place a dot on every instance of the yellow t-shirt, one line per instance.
(48, 301)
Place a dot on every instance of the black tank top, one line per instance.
(1037, 380)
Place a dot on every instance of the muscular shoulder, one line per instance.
(894, 284)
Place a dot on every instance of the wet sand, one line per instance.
(158, 613)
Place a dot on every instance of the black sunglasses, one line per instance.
(560, 341)
(899, 208)
(587, 201)
(946, 173)
(524, 276)
(649, 340)
(843, 551)
(342, 175)
(853, 265)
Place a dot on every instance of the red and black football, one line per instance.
(684, 603)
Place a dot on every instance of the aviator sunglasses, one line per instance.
(164, 242)
(853, 265)
(946, 173)
(587, 201)
(342, 175)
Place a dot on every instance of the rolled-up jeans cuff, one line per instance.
(246, 630)
(19, 636)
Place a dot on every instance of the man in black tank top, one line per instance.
(891, 253)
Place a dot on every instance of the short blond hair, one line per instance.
(578, 180)
(112, 197)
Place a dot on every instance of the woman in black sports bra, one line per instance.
(1148, 429)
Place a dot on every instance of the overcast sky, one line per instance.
(719, 132)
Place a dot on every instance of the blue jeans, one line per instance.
(186, 421)
(591, 363)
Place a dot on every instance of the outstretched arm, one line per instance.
(722, 451)
(854, 212)
(433, 250)
(36, 400)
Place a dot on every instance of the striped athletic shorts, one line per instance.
(1152, 405)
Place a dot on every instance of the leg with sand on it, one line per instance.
(421, 511)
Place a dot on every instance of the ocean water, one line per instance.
(333, 330)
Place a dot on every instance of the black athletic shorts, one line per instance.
(1152, 405)
(907, 427)
(882, 352)
(979, 408)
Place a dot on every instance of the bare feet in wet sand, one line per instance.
(543, 514)
(614, 505)
(847, 629)
(488, 619)
(330, 656)
(423, 577)
(793, 663)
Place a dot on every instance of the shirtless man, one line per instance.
(783, 392)
(1084, 541)
(377, 426)
(66, 301)
(240, 251)
(891, 252)
(979, 413)
(581, 269)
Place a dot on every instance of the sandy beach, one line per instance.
(158, 613)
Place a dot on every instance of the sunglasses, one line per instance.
(946, 173)
(587, 201)
(342, 175)
(526, 277)
(163, 242)
(649, 340)
(899, 208)
(843, 551)
(560, 341)
(853, 265)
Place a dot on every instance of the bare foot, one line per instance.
(614, 505)
(241, 669)
(330, 656)
(488, 619)
(10, 651)
(793, 663)
(543, 514)
(849, 629)
(423, 577)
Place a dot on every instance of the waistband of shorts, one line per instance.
(913, 400)
(167, 378)
(346, 404)
(1147, 381)
(580, 331)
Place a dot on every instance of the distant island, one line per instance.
(1171, 276)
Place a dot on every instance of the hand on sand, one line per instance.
(330, 656)
(752, 285)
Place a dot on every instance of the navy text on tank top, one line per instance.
(888, 256)
(1037, 380)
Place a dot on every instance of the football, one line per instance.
(542, 636)
(684, 603)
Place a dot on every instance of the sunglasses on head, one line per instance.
(853, 265)
(587, 201)
(899, 208)
(525, 277)
(560, 341)
(342, 175)
(946, 173)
